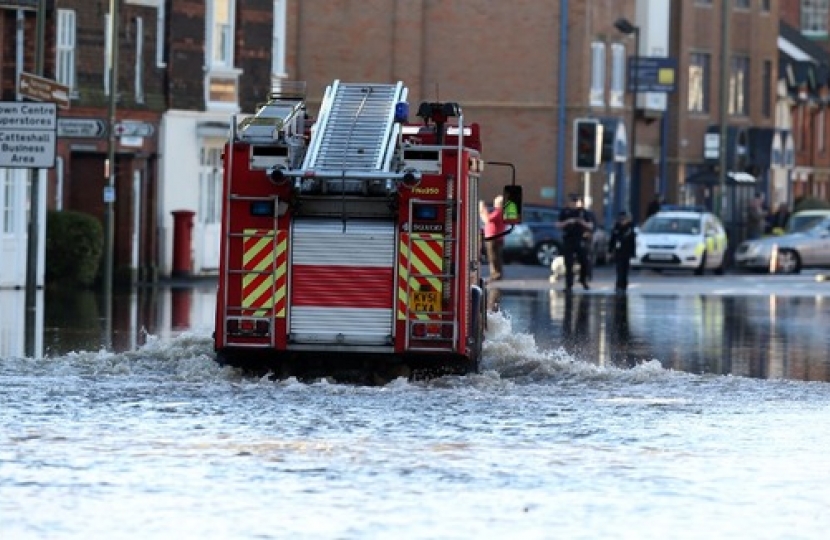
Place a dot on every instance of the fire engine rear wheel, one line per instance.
(479, 310)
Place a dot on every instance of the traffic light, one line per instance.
(587, 144)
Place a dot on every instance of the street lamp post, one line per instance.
(626, 27)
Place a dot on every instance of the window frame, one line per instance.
(616, 92)
(596, 95)
(66, 35)
(814, 17)
(221, 73)
(739, 74)
(703, 61)
(278, 40)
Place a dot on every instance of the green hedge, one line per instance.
(74, 244)
(810, 203)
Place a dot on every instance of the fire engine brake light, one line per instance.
(419, 330)
(446, 331)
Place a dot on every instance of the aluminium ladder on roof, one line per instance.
(356, 129)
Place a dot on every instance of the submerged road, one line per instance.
(808, 283)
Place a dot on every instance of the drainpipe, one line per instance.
(562, 102)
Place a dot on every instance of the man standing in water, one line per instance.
(575, 223)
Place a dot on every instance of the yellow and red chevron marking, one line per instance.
(264, 264)
(425, 258)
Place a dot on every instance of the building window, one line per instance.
(739, 86)
(742, 4)
(222, 79)
(821, 141)
(161, 52)
(139, 60)
(615, 96)
(9, 197)
(597, 96)
(221, 33)
(699, 73)
(766, 6)
(278, 43)
(766, 89)
(65, 48)
(210, 182)
(814, 17)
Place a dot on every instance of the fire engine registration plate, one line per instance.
(424, 301)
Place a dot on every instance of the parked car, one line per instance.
(804, 219)
(686, 239)
(806, 248)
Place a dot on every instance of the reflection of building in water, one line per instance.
(762, 337)
(686, 332)
(13, 330)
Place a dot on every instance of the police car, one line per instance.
(683, 239)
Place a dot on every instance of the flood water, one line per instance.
(598, 417)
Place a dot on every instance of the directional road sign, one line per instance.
(42, 89)
(82, 128)
(134, 128)
(28, 134)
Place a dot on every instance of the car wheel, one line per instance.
(789, 262)
(699, 270)
(546, 252)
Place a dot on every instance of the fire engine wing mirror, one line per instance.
(512, 208)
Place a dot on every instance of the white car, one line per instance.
(681, 239)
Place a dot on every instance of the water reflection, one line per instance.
(75, 320)
(752, 336)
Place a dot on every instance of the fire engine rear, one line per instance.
(350, 244)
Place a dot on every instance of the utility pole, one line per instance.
(32, 235)
(110, 168)
(724, 107)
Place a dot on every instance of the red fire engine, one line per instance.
(350, 244)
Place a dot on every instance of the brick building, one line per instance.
(524, 70)
(805, 88)
(183, 68)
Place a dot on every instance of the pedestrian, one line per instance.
(756, 217)
(494, 236)
(654, 206)
(574, 222)
(778, 224)
(623, 243)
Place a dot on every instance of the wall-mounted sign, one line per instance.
(82, 128)
(711, 146)
(134, 128)
(652, 74)
(43, 89)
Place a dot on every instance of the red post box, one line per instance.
(182, 242)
